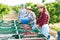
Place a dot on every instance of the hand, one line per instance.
(37, 26)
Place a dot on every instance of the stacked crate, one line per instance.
(18, 31)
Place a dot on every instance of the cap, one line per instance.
(40, 5)
(22, 5)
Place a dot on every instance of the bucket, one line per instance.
(24, 20)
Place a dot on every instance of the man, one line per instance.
(22, 13)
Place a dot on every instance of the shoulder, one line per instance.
(25, 9)
(46, 13)
(33, 13)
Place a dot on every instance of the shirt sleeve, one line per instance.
(18, 15)
(26, 13)
(33, 16)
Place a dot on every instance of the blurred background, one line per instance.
(9, 10)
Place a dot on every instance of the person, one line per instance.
(22, 13)
(31, 16)
(43, 20)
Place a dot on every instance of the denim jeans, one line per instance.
(44, 30)
(33, 25)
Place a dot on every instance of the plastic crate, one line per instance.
(12, 21)
(7, 30)
(6, 24)
(4, 30)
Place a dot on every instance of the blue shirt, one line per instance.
(22, 14)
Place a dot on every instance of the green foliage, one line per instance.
(0, 17)
(54, 10)
(43, 0)
(4, 9)
(16, 8)
(56, 28)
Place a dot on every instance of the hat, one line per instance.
(40, 5)
(29, 7)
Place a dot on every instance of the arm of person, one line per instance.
(37, 26)
(33, 17)
(43, 20)
(18, 16)
(26, 13)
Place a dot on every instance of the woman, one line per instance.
(31, 16)
(43, 20)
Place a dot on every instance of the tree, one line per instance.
(4, 9)
(43, 1)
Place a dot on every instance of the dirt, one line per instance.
(10, 16)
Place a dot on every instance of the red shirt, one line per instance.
(42, 19)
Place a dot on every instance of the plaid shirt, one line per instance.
(42, 19)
